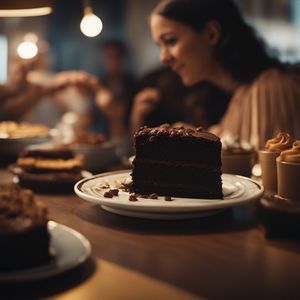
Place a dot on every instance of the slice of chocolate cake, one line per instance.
(177, 161)
(49, 170)
(24, 236)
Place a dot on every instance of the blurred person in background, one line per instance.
(21, 95)
(113, 100)
(116, 75)
(37, 95)
(208, 40)
(112, 93)
(68, 98)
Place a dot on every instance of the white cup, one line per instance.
(288, 177)
(267, 162)
(239, 164)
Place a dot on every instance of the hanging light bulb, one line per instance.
(28, 48)
(90, 25)
(28, 8)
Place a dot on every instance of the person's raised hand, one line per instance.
(83, 81)
(110, 107)
(143, 104)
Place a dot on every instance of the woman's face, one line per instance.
(187, 52)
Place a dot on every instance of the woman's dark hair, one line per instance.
(240, 51)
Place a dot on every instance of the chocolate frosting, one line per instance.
(19, 210)
(167, 130)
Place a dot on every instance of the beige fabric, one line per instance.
(260, 110)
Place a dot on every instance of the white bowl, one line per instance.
(13, 146)
(97, 157)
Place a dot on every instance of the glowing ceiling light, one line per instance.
(90, 25)
(22, 8)
(28, 48)
(32, 12)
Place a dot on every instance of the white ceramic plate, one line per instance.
(70, 249)
(237, 190)
(160, 216)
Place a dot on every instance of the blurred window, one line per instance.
(3, 58)
(278, 22)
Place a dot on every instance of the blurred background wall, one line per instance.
(278, 21)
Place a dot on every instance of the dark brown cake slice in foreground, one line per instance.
(177, 161)
(24, 236)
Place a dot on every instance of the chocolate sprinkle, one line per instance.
(168, 198)
(132, 197)
(108, 194)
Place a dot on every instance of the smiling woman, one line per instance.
(188, 53)
(209, 40)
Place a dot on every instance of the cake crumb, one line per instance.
(132, 197)
(104, 185)
(108, 194)
(115, 192)
(168, 198)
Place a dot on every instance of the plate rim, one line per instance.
(161, 216)
(208, 205)
(38, 273)
(21, 139)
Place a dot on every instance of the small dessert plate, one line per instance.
(70, 249)
(237, 190)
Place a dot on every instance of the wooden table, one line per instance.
(225, 256)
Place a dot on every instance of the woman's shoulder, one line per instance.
(270, 85)
(275, 76)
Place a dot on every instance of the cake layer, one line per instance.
(183, 164)
(24, 236)
(50, 183)
(178, 190)
(48, 152)
(179, 150)
(42, 165)
(158, 172)
(27, 249)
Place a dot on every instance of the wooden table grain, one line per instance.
(225, 256)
